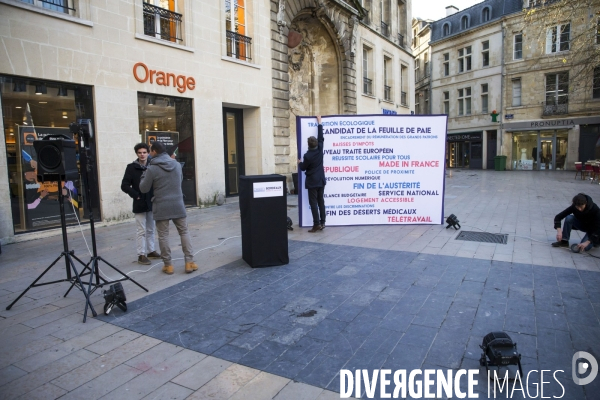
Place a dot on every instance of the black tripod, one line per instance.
(84, 129)
(69, 255)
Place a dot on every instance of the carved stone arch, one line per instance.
(341, 22)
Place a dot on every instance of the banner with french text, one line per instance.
(380, 169)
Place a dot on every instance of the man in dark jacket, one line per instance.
(583, 215)
(164, 177)
(142, 206)
(315, 178)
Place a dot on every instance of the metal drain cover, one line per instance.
(484, 237)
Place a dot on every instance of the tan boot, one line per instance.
(168, 269)
(190, 267)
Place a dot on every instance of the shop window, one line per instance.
(558, 38)
(518, 46)
(484, 98)
(170, 120)
(485, 54)
(446, 64)
(596, 84)
(464, 59)
(32, 110)
(447, 103)
(239, 45)
(516, 92)
(525, 151)
(162, 21)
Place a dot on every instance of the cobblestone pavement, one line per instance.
(398, 297)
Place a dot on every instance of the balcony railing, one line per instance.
(401, 40)
(239, 46)
(384, 29)
(162, 23)
(387, 93)
(367, 86)
(403, 99)
(555, 108)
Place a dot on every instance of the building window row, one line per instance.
(465, 21)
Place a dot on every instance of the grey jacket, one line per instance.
(164, 176)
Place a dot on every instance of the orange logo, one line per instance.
(142, 74)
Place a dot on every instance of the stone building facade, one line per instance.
(552, 108)
(422, 52)
(197, 74)
(352, 57)
(466, 80)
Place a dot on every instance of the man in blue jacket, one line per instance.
(315, 178)
(164, 177)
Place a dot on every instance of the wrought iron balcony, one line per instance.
(403, 99)
(387, 93)
(401, 40)
(554, 108)
(162, 23)
(367, 86)
(385, 30)
(239, 46)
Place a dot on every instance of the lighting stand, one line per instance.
(91, 268)
(68, 255)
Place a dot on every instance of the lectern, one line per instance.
(263, 211)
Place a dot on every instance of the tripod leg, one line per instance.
(126, 277)
(34, 282)
(93, 261)
(85, 266)
(87, 297)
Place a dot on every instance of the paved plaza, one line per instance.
(370, 297)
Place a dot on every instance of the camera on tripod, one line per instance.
(114, 296)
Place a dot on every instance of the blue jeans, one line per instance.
(573, 223)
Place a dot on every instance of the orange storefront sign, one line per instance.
(143, 74)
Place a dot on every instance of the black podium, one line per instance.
(263, 211)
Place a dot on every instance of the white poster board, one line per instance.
(380, 169)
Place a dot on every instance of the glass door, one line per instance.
(561, 149)
(547, 151)
(233, 131)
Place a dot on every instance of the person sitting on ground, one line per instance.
(583, 215)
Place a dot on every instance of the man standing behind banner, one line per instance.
(315, 178)
(164, 177)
